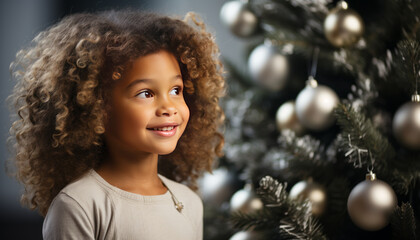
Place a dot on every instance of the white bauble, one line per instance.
(406, 125)
(371, 203)
(239, 18)
(315, 105)
(268, 67)
(217, 188)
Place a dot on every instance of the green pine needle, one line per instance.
(403, 223)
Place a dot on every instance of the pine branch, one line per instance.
(363, 94)
(398, 71)
(306, 157)
(256, 220)
(407, 64)
(403, 223)
(298, 20)
(293, 218)
(358, 133)
(409, 20)
(303, 149)
(337, 194)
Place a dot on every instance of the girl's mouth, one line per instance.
(164, 131)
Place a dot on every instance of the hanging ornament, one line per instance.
(343, 27)
(371, 203)
(406, 123)
(315, 105)
(268, 67)
(286, 118)
(239, 18)
(247, 235)
(218, 187)
(245, 200)
(314, 192)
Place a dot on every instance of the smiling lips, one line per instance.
(164, 131)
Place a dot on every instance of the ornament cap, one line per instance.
(371, 176)
(415, 97)
(312, 82)
(343, 5)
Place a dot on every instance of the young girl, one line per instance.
(102, 139)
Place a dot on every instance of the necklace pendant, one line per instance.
(179, 206)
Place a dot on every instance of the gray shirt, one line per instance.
(91, 208)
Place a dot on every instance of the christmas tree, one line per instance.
(323, 131)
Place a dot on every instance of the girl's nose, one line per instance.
(166, 108)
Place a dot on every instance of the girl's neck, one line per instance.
(138, 175)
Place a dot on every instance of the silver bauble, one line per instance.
(286, 118)
(315, 105)
(406, 125)
(314, 192)
(217, 188)
(240, 20)
(371, 203)
(247, 235)
(343, 27)
(245, 200)
(268, 67)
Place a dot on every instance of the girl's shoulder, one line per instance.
(85, 187)
(76, 208)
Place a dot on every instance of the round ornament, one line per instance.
(239, 18)
(245, 200)
(315, 105)
(218, 187)
(371, 203)
(268, 67)
(286, 118)
(406, 124)
(314, 192)
(343, 27)
(247, 235)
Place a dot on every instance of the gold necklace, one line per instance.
(178, 205)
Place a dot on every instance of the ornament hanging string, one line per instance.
(313, 65)
(415, 71)
(415, 50)
(372, 162)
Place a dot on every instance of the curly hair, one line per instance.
(64, 78)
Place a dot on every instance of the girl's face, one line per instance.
(148, 112)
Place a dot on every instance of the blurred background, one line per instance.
(21, 21)
(318, 103)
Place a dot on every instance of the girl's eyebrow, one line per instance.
(146, 80)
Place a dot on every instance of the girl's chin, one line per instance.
(166, 151)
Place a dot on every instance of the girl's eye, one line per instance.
(175, 91)
(145, 94)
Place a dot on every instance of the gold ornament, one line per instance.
(314, 192)
(315, 105)
(371, 203)
(239, 18)
(343, 27)
(245, 200)
(406, 124)
(286, 118)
